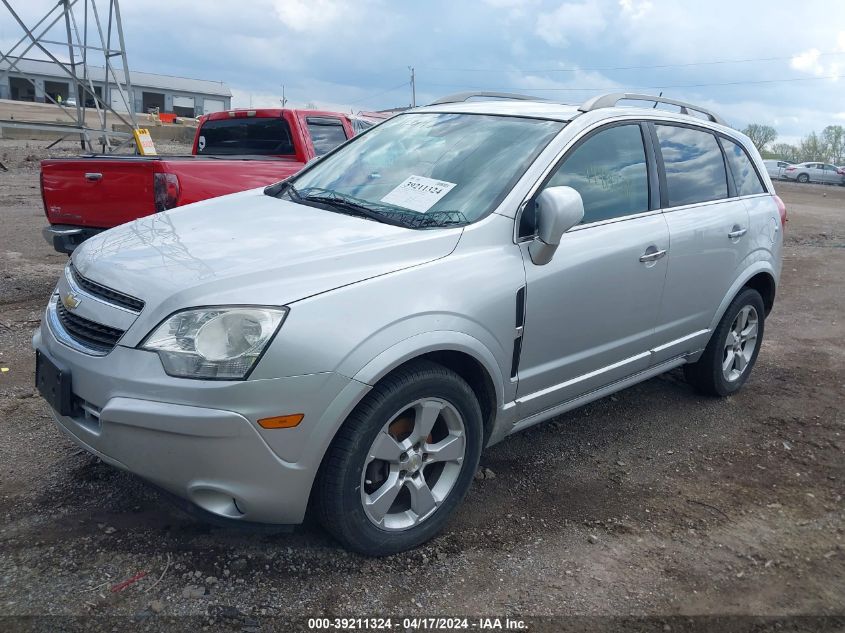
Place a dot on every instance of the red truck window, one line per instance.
(256, 136)
(326, 133)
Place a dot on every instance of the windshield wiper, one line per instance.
(353, 208)
(385, 213)
(277, 189)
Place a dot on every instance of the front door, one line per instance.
(590, 313)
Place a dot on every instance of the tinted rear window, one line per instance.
(247, 135)
(745, 176)
(326, 134)
(695, 169)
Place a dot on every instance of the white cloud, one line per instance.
(570, 21)
(505, 4)
(636, 9)
(311, 15)
(811, 60)
(808, 61)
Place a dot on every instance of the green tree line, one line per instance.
(827, 147)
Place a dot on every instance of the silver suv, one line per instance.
(355, 336)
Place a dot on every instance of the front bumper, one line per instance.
(200, 439)
(64, 238)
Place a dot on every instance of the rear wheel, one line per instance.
(402, 461)
(732, 351)
(803, 178)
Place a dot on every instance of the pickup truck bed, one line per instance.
(87, 194)
(233, 151)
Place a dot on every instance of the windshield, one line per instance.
(424, 170)
(245, 135)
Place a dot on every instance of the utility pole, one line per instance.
(413, 88)
(284, 100)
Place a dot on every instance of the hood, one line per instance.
(249, 248)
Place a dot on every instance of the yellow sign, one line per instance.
(144, 142)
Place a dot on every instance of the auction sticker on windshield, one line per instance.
(418, 193)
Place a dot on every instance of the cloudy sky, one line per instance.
(731, 55)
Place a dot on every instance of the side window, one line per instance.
(609, 171)
(745, 176)
(695, 169)
(326, 133)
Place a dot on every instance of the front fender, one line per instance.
(436, 341)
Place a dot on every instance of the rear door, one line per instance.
(831, 174)
(98, 192)
(708, 226)
(590, 312)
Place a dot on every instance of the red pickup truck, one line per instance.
(233, 151)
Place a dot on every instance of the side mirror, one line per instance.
(558, 210)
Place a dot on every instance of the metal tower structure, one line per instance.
(78, 36)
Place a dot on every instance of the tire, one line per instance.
(803, 178)
(351, 478)
(709, 374)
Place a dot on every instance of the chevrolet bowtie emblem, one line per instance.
(71, 301)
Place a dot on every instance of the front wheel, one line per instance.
(732, 351)
(402, 461)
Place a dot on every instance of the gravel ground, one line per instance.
(652, 502)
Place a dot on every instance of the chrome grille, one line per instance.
(106, 294)
(90, 334)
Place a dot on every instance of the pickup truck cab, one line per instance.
(232, 151)
(366, 328)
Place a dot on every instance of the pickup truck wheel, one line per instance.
(402, 462)
(730, 355)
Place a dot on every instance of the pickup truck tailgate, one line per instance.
(97, 192)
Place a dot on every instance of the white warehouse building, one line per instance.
(180, 95)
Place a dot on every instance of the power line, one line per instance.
(500, 69)
(606, 88)
(378, 94)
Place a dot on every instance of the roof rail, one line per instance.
(610, 99)
(458, 97)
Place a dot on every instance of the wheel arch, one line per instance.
(764, 283)
(761, 277)
(462, 353)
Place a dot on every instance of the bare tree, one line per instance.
(834, 139)
(785, 151)
(812, 148)
(760, 135)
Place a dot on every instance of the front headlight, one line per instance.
(222, 343)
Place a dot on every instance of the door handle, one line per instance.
(737, 232)
(652, 256)
(93, 176)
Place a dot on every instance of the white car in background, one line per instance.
(775, 168)
(815, 172)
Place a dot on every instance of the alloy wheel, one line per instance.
(740, 343)
(413, 464)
